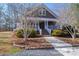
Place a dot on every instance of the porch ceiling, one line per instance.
(41, 19)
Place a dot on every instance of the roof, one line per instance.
(39, 6)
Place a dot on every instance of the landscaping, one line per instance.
(60, 33)
(34, 41)
(20, 33)
(66, 37)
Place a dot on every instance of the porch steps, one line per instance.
(45, 32)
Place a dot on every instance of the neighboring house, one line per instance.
(45, 20)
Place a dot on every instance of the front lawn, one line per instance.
(8, 49)
(6, 46)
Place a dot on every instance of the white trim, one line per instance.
(41, 19)
(49, 10)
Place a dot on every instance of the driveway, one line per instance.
(39, 52)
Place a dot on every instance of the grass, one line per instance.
(6, 46)
(14, 50)
(8, 49)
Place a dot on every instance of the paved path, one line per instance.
(39, 52)
(57, 43)
(64, 48)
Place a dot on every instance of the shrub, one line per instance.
(33, 33)
(20, 32)
(58, 32)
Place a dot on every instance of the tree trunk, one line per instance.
(74, 33)
(73, 36)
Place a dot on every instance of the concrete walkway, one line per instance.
(64, 48)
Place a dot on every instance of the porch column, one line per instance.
(38, 25)
(40, 30)
(46, 24)
(35, 25)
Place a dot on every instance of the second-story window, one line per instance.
(42, 12)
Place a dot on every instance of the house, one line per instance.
(44, 19)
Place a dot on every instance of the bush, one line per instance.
(33, 33)
(20, 32)
(58, 32)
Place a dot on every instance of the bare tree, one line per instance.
(1, 15)
(20, 13)
(68, 18)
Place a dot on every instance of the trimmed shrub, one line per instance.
(20, 32)
(59, 32)
(33, 33)
(56, 32)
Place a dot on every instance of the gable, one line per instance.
(38, 10)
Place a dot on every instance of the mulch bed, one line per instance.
(34, 43)
(31, 43)
(70, 40)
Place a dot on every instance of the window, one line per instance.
(42, 12)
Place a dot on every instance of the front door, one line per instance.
(41, 25)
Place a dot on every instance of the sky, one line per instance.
(55, 7)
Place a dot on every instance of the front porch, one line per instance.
(44, 25)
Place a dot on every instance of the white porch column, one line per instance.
(40, 30)
(35, 26)
(46, 24)
(38, 25)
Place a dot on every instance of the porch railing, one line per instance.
(49, 30)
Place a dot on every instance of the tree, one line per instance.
(1, 15)
(77, 13)
(68, 18)
(19, 12)
(13, 15)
